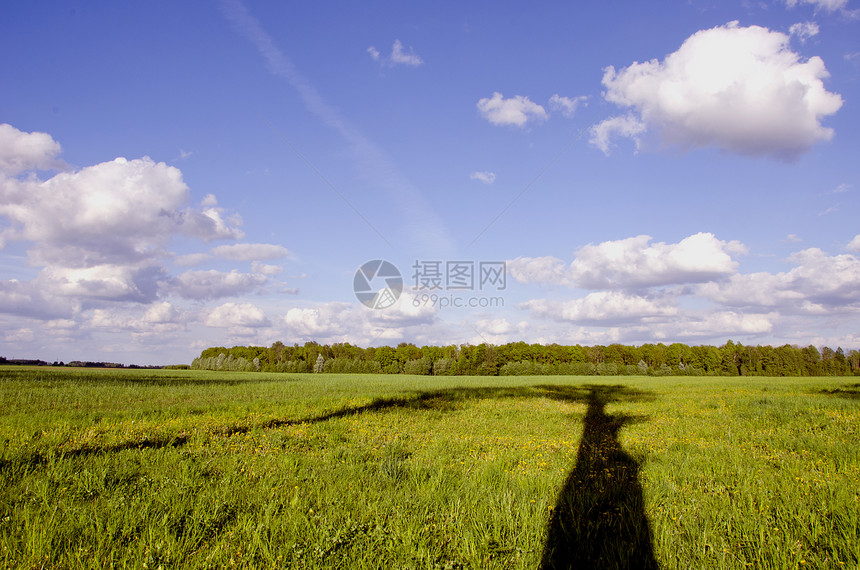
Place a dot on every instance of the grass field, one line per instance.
(173, 468)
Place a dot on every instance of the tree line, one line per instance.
(520, 358)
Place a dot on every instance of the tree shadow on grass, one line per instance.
(599, 519)
(849, 391)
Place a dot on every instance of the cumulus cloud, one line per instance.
(250, 251)
(355, 323)
(720, 324)
(34, 299)
(854, 244)
(602, 308)
(162, 313)
(740, 89)
(20, 151)
(105, 282)
(191, 259)
(123, 211)
(566, 105)
(545, 269)
(485, 177)
(323, 321)
(100, 236)
(516, 111)
(237, 315)
(266, 269)
(628, 126)
(818, 284)
(19, 335)
(399, 56)
(634, 263)
(212, 284)
(159, 318)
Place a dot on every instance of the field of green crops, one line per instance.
(175, 468)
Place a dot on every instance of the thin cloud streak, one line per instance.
(426, 230)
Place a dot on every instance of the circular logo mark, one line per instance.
(377, 284)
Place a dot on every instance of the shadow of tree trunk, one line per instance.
(599, 519)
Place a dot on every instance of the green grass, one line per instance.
(175, 468)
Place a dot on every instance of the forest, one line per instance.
(521, 359)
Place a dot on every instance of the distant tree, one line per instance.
(319, 365)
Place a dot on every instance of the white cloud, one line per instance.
(793, 238)
(602, 308)
(237, 315)
(720, 324)
(494, 327)
(626, 126)
(546, 269)
(400, 56)
(323, 321)
(101, 234)
(191, 259)
(854, 244)
(636, 263)
(20, 151)
(107, 282)
(19, 335)
(841, 188)
(740, 89)
(566, 105)
(818, 284)
(515, 111)
(826, 5)
(159, 319)
(123, 211)
(250, 251)
(355, 323)
(212, 284)
(33, 299)
(803, 30)
(265, 269)
(485, 177)
(162, 313)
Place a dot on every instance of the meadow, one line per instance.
(193, 469)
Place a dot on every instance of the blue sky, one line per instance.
(178, 176)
